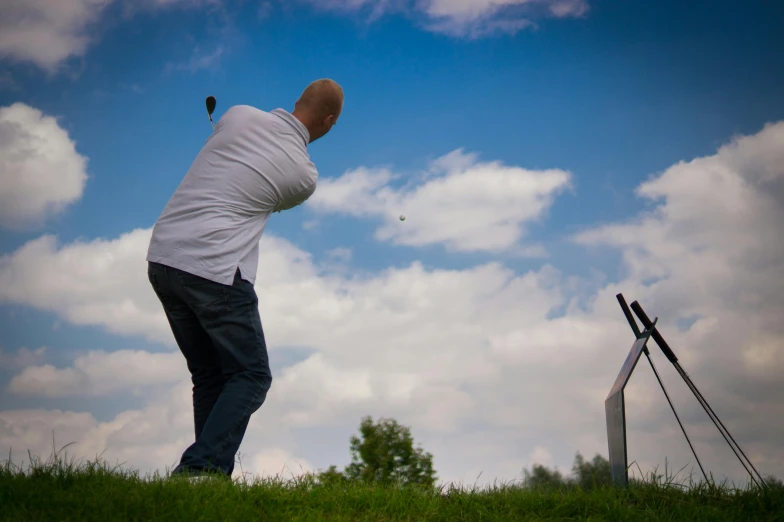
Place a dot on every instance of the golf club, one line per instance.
(211, 102)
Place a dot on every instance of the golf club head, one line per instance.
(211, 102)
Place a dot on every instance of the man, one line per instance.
(204, 252)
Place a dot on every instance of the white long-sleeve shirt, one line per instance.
(253, 164)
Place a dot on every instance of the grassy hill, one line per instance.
(56, 491)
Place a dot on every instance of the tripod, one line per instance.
(615, 408)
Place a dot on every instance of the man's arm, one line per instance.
(295, 199)
(298, 188)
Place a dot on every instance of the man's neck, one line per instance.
(302, 118)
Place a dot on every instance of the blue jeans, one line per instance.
(218, 330)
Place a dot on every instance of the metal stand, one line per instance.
(615, 409)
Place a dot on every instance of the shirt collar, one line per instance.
(286, 115)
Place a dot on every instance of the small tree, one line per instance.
(542, 478)
(589, 475)
(331, 476)
(385, 453)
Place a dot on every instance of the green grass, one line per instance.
(60, 491)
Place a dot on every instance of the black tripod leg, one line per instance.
(722, 429)
(676, 414)
(674, 360)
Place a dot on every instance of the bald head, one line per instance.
(319, 107)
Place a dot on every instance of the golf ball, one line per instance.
(402, 218)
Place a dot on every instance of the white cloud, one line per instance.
(541, 456)
(97, 283)
(40, 171)
(47, 33)
(473, 359)
(380, 356)
(463, 204)
(147, 440)
(99, 373)
(475, 9)
(23, 358)
(465, 18)
(277, 462)
(712, 249)
(340, 253)
(567, 8)
(713, 246)
(199, 60)
(179, 3)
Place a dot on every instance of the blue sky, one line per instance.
(613, 97)
(614, 93)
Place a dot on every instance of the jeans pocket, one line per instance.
(205, 294)
(164, 298)
(243, 293)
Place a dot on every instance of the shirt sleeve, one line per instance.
(297, 193)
